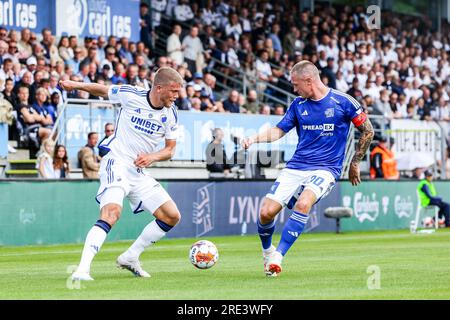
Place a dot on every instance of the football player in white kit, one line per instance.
(145, 119)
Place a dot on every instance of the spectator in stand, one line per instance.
(231, 104)
(31, 122)
(124, 53)
(44, 162)
(24, 44)
(65, 52)
(183, 102)
(61, 165)
(252, 105)
(89, 161)
(74, 63)
(8, 93)
(91, 57)
(132, 74)
(174, 47)
(41, 107)
(118, 78)
(196, 105)
(265, 110)
(145, 23)
(233, 27)
(193, 48)
(142, 80)
(182, 12)
(109, 131)
(216, 157)
(328, 72)
(441, 112)
(278, 110)
(27, 80)
(210, 85)
(382, 161)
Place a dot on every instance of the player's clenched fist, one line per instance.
(144, 160)
(247, 142)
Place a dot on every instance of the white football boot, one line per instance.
(134, 266)
(266, 255)
(81, 276)
(273, 265)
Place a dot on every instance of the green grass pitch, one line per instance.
(319, 266)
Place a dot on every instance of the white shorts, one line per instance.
(291, 183)
(143, 191)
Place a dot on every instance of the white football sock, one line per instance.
(150, 235)
(94, 240)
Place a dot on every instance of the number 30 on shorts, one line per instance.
(316, 180)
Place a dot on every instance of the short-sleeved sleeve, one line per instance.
(115, 95)
(354, 112)
(172, 125)
(289, 120)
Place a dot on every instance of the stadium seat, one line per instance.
(338, 213)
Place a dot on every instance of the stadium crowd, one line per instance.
(400, 71)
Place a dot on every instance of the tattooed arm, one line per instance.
(367, 133)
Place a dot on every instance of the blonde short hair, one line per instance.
(306, 68)
(166, 75)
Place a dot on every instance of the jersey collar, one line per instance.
(150, 103)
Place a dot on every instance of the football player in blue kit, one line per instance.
(322, 117)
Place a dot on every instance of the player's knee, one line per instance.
(172, 217)
(303, 206)
(175, 217)
(111, 213)
(267, 214)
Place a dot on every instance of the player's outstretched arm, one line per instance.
(96, 89)
(270, 135)
(367, 134)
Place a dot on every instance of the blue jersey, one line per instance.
(322, 127)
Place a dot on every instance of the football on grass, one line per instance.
(203, 254)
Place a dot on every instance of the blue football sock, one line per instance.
(291, 231)
(265, 232)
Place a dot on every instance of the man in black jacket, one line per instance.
(216, 157)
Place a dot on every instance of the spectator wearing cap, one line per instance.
(105, 73)
(198, 79)
(382, 161)
(174, 47)
(428, 197)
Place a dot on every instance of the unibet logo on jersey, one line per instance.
(145, 125)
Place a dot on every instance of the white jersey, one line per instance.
(139, 127)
